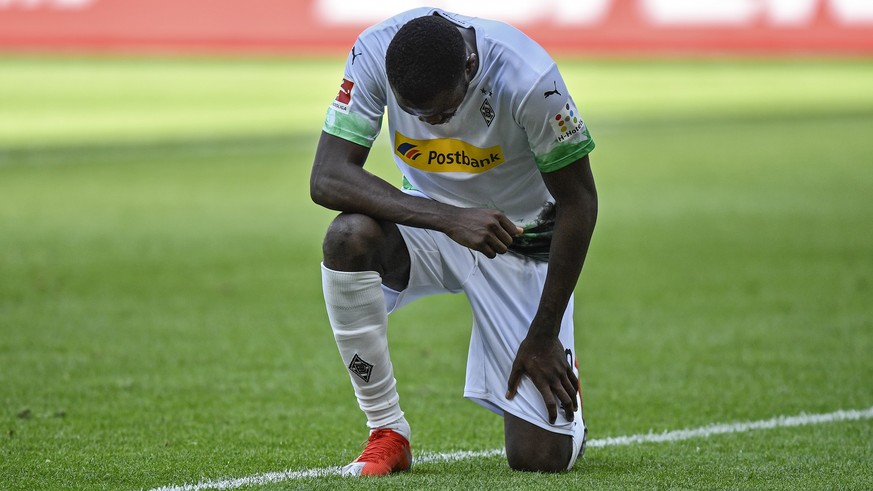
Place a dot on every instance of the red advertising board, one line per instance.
(595, 27)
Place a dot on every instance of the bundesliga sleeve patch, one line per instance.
(344, 97)
(567, 123)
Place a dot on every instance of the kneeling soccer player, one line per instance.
(498, 202)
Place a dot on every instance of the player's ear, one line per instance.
(471, 66)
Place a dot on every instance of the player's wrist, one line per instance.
(543, 330)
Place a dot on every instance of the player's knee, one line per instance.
(531, 448)
(351, 242)
(531, 459)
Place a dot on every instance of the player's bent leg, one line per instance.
(360, 254)
(531, 448)
(356, 242)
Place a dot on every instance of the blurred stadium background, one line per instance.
(330, 26)
(46, 88)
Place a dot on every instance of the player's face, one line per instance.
(441, 108)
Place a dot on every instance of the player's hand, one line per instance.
(482, 229)
(543, 360)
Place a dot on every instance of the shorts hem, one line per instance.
(492, 403)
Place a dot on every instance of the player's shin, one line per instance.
(356, 309)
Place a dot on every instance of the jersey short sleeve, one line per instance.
(557, 135)
(356, 112)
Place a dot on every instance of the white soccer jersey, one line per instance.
(517, 120)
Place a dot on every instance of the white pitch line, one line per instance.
(667, 436)
(723, 428)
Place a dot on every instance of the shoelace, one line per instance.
(388, 442)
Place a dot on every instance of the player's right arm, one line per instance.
(340, 182)
(353, 122)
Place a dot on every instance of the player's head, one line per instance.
(428, 68)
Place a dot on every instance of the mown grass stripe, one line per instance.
(444, 457)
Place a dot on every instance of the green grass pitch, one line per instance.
(161, 320)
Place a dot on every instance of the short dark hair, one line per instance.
(426, 57)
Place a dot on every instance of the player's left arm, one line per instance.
(541, 356)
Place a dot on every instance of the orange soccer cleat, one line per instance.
(387, 451)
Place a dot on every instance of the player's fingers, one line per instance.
(574, 384)
(486, 249)
(503, 238)
(508, 226)
(514, 379)
(566, 402)
(570, 390)
(498, 246)
(551, 405)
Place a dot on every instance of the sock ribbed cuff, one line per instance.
(356, 287)
(399, 425)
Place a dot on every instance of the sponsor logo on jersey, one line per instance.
(446, 155)
(344, 97)
(567, 122)
(409, 150)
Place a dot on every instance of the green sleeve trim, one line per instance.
(564, 155)
(351, 127)
(408, 185)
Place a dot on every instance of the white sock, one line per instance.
(400, 426)
(356, 309)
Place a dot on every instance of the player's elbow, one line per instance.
(589, 200)
(582, 207)
(586, 201)
(320, 188)
(322, 197)
(316, 191)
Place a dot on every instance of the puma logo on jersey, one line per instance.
(547, 93)
(355, 55)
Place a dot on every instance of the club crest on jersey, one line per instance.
(446, 155)
(344, 97)
(567, 123)
(487, 112)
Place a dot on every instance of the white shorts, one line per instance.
(504, 293)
